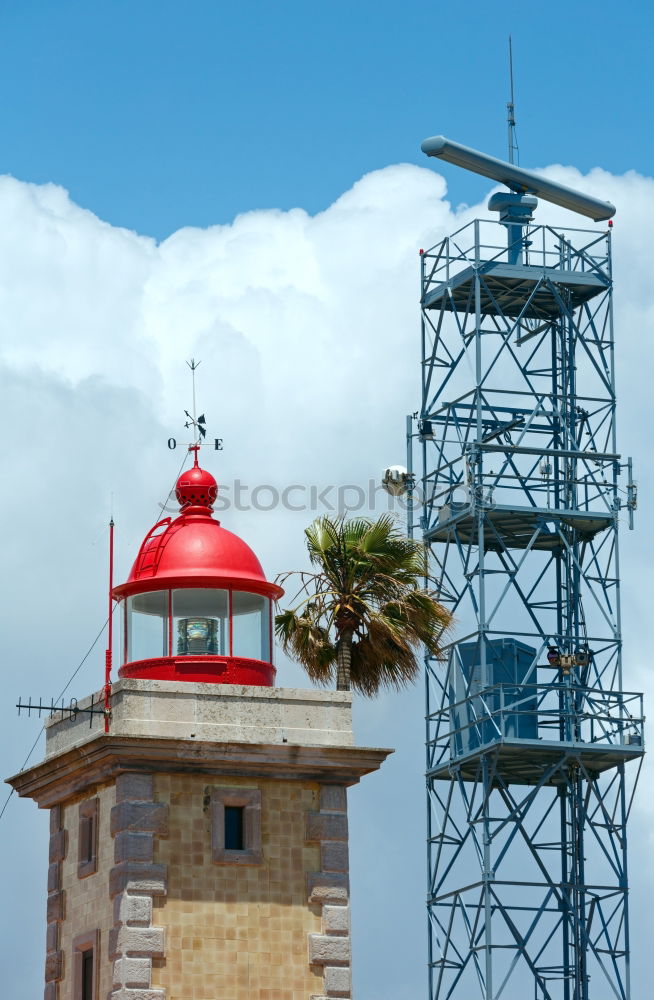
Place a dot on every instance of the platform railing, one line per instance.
(483, 241)
(519, 448)
(528, 491)
(532, 713)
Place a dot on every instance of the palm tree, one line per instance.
(362, 614)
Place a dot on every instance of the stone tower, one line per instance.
(199, 848)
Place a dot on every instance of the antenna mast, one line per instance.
(194, 365)
(110, 633)
(510, 111)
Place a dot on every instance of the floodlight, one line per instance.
(396, 480)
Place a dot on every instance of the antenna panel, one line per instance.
(519, 180)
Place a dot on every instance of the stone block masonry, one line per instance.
(236, 931)
(136, 820)
(85, 903)
(56, 906)
(330, 950)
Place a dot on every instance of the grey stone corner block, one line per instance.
(327, 887)
(134, 787)
(334, 856)
(134, 973)
(336, 919)
(338, 981)
(132, 909)
(140, 879)
(124, 993)
(56, 906)
(326, 826)
(55, 818)
(50, 992)
(333, 798)
(54, 966)
(139, 817)
(144, 942)
(325, 949)
(54, 877)
(57, 846)
(52, 937)
(131, 846)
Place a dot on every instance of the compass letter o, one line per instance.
(172, 443)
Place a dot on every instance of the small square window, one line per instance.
(87, 858)
(86, 953)
(236, 826)
(234, 823)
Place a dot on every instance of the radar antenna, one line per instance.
(516, 206)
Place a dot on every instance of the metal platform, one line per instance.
(525, 762)
(514, 527)
(516, 290)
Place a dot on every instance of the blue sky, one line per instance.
(157, 114)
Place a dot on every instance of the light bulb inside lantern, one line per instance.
(197, 635)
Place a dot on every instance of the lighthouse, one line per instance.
(199, 846)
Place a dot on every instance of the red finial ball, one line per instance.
(196, 488)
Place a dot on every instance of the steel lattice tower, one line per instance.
(529, 730)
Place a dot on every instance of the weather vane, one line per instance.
(198, 424)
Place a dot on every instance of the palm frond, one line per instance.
(307, 641)
(366, 588)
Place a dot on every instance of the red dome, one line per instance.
(194, 550)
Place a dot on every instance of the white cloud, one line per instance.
(308, 332)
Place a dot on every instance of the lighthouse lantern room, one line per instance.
(196, 605)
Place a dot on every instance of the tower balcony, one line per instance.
(531, 727)
(545, 261)
(513, 526)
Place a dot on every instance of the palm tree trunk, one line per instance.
(344, 660)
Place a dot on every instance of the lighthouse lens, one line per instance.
(197, 635)
(200, 624)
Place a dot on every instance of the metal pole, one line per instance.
(409, 470)
(109, 652)
(487, 877)
(479, 514)
(625, 884)
(510, 108)
(565, 889)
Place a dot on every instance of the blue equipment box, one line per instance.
(481, 720)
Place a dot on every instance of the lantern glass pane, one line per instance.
(251, 626)
(147, 626)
